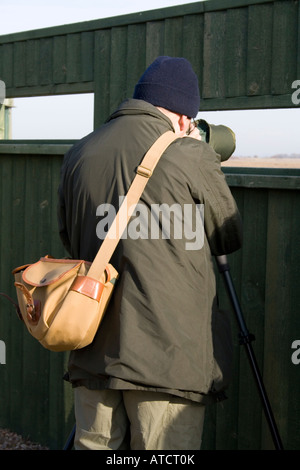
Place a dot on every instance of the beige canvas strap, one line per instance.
(144, 172)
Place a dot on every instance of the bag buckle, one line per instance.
(143, 171)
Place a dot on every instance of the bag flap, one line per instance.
(49, 270)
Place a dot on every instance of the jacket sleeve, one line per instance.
(222, 221)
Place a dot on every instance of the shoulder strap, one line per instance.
(144, 172)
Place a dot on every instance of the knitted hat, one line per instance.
(170, 82)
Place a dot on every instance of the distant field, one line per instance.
(263, 162)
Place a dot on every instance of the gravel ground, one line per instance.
(12, 441)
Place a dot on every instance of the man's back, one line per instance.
(157, 330)
(162, 349)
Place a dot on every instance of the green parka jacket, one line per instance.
(163, 330)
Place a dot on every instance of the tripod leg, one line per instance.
(246, 338)
(70, 440)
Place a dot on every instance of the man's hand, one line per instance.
(193, 131)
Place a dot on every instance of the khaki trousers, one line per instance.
(137, 420)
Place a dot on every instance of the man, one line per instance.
(153, 366)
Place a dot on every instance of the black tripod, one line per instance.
(246, 338)
(70, 440)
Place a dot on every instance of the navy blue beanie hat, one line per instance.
(170, 82)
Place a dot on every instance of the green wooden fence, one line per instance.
(246, 53)
(34, 398)
(265, 274)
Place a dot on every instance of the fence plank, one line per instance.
(282, 302)
(59, 59)
(236, 52)
(136, 42)
(118, 66)
(102, 72)
(284, 67)
(214, 55)
(154, 40)
(32, 58)
(45, 71)
(259, 55)
(245, 54)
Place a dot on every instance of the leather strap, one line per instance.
(14, 304)
(144, 172)
(88, 286)
(33, 307)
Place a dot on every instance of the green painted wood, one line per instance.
(251, 102)
(259, 54)
(73, 63)
(33, 397)
(15, 401)
(154, 40)
(263, 181)
(284, 65)
(19, 64)
(236, 52)
(102, 90)
(236, 48)
(136, 52)
(133, 18)
(87, 56)
(118, 66)
(5, 316)
(282, 301)
(59, 59)
(214, 55)
(192, 46)
(46, 61)
(35, 147)
(173, 38)
(246, 55)
(252, 297)
(32, 60)
(265, 274)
